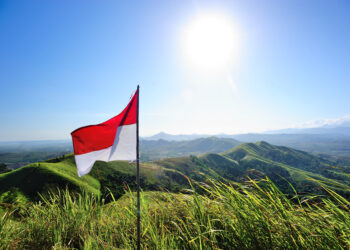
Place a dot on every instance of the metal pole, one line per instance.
(138, 174)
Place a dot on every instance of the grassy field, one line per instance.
(223, 217)
(204, 202)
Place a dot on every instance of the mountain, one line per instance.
(338, 145)
(261, 159)
(156, 150)
(254, 160)
(323, 140)
(332, 144)
(170, 137)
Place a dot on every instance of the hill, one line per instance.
(333, 141)
(332, 144)
(170, 137)
(294, 165)
(257, 160)
(254, 160)
(26, 182)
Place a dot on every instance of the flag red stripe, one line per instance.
(101, 136)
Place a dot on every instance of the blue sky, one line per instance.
(66, 64)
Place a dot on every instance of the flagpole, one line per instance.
(138, 174)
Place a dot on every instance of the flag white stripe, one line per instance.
(123, 148)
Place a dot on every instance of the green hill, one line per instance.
(28, 181)
(254, 160)
(257, 160)
(38, 177)
(291, 159)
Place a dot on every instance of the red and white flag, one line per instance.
(112, 140)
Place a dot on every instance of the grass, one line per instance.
(38, 177)
(225, 217)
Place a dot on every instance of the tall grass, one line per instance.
(226, 217)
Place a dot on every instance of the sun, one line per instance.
(210, 41)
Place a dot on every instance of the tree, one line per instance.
(4, 168)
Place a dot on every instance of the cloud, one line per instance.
(328, 123)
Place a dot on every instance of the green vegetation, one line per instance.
(224, 217)
(39, 177)
(250, 160)
(105, 177)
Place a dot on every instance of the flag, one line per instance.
(112, 140)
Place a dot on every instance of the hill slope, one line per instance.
(40, 177)
(256, 160)
(28, 181)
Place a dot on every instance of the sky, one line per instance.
(66, 64)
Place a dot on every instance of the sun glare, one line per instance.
(210, 42)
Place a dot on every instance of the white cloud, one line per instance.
(335, 122)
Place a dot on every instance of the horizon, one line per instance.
(321, 123)
(203, 67)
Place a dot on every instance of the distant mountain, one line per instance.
(170, 137)
(156, 150)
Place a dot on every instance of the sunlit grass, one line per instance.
(225, 217)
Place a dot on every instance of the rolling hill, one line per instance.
(26, 182)
(254, 160)
(324, 141)
(261, 159)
